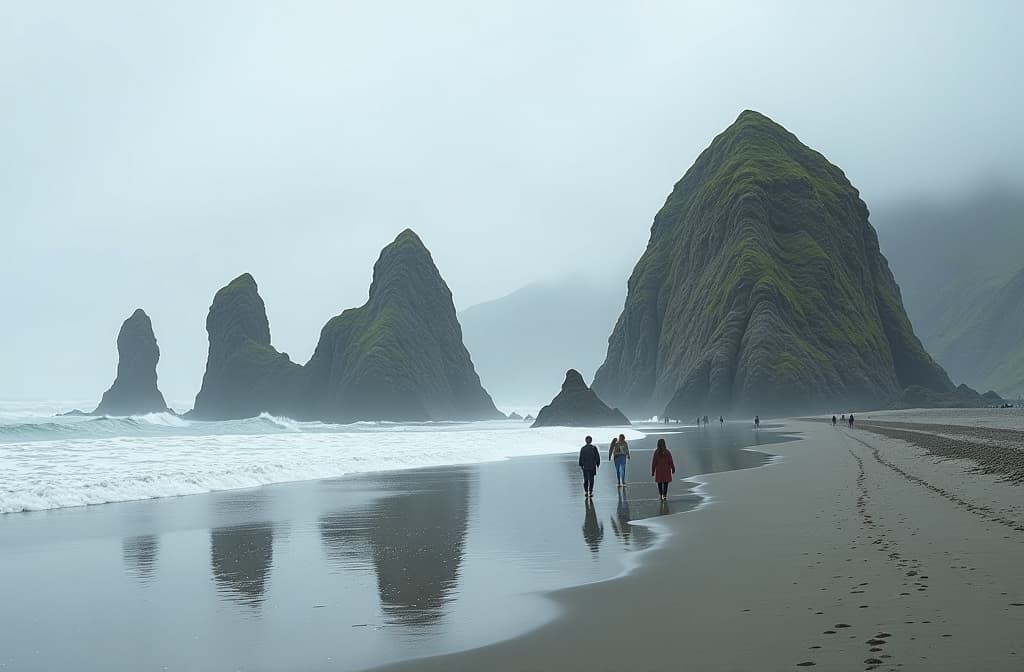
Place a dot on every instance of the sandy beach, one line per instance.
(856, 550)
(335, 574)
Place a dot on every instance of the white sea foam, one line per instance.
(79, 461)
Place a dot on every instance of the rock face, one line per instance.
(245, 375)
(578, 406)
(398, 357)
(762, 289)
(134, 391)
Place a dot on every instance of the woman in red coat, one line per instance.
(662, 468)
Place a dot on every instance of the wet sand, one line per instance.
(856, 551)
(339, 574)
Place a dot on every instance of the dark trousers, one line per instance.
(588, 480)
(663, 489)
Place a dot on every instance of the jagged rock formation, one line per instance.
(578, 406)
(762, 288)
(134, 391)
(398, 357)
(514, 416)
(245, 375)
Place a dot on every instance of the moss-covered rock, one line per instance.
(245, 375)
(135, 390)
(398, 357)
(763, 289)
(576, 405)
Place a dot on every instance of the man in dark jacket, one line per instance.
(590, 460)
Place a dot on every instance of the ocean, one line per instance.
(52, 462)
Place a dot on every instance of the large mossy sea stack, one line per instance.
(135, 390)
(762, 288)
(398, 357)
(576, 405)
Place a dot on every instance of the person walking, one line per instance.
(851, 420)
(662, 468)
(721, 420)
(757, 422)
(618, 452)
(833, 421)
(590, 460)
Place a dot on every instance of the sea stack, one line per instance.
(245, 375)
(400, 356)
(576, 405)
(762, 289)
(134, 391)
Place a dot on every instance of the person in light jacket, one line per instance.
(619, 453)
(662, 468)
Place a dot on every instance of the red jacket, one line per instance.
(662, 467)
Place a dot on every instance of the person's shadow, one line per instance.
(593, 529)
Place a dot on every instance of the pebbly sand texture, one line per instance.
(858, 550)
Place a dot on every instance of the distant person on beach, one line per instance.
(721, 419)
(851, 420)
(662, 468)
(833, 421)
(843, 418)
(590, 460)
(757, 422)
(619, 453)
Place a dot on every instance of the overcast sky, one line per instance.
(152, 151)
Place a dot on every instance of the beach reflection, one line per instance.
(241, 558)
(593, 529)
(631, 536)
(415, 542)
(139, 554)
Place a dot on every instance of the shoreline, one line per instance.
(850, 533)
(346, 572)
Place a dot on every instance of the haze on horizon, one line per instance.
(153, 152)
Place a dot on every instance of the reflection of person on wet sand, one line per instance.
(620, 522)
(593, 529)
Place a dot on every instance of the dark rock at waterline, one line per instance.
(74, 413)
(576, 405)
(398, 357)
(528, 418)
(762, 288)
(245, 375)
(134, 391)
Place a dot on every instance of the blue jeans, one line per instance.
(620, 468)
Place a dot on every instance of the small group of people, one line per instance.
(843, 420)
(662, 464)
(704, 420)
